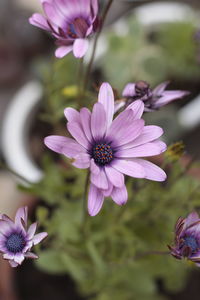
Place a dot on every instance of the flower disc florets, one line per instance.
(15, 242)
(102, 154)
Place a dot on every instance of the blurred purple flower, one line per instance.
(15, 240)
(187, 238)
(70, 22)
(110, 148)
(153, 99)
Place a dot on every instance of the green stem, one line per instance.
(6, 168)
(95, 44)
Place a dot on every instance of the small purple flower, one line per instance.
(110, 148)
(15, 240)
(71, 22)
(187, 238)
(153, 99)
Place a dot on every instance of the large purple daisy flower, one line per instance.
(153, 99)
(110, 148)
(70, 22)
(15, 240)
(187, 238)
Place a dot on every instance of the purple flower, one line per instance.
(153, 99)
(15, 240)
(187, 238)
(70, 22)
(110, 148)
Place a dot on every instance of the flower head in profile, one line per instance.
(71, 22)
(110, 148)
(153, 99)
(187, 238)
(16, 240)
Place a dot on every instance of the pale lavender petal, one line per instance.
(31, 255)
(53, 14)
(129, 168)
(137, 108)
(85, 116)
(149, 133)
(98, 121)
(39, 21)
(13, 263)
(77, 132)
(5, 226)
(22, 214)
(31, 230)
(145, 150)
(129, 90)
(8, 256)
(120, 195)
(64, 145)
(80, 47)
(125, 130)
(108, 192)
(19, 258)
(6, 218)
(62, 51)
(118, 105)
(72, 115)
(95, 200)
(81, 161)
(160, 88)
(106, 98)
(114, 176)
(152, 171)
(93, 167)
(169, 96)
(94, 5)
(192, 218)
(100, 180)
(39, 237)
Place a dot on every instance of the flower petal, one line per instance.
(31, 230)
(148, 134)
(95, 200)
(93, 167)
(81, 161)
(106, 98)
(19, 258)
(120, 195)
(129, 168)
(100, 180)
(62, 51)
(191, 218)
(160, 88)
(72, 115)
(13, 263)
(85, 116)
(5, 227)
(39, 237)
(170, 96)
(31, 255)
(64, 145)
(98, 121)
(137, 108)
(77, 132)
(114, 176)
(129, 90)
(39, 21)
(80, 47)
(152, 171)
(22, 214)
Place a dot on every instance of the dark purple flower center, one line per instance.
(15, 242)
(191, 242)
(102, 154)
(78, 28)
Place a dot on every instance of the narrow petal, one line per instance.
(120, 195)
(93, 167)
(31, 255)
(115, 177)
(5, 227)
(64, 145)
(39, 21)
(118, 105)
(152, 171)
(95, 200)
(80, 47)
(160, 88)
(192, 218)
(13, 263)
(148, 134)
(170, 96)
(129, 90)
(19, 258)
(77, 132)
(8, 256)
(129, 168)
(148, 149)
(22, 214)
(72, 115)
(100, 180)
(98, 121)
(62, 51)
(31, 230)
(81, 161)
(106, 98)
(53, 14)
(85, 116)
(39, 237)
(137, 108)
(108, 192)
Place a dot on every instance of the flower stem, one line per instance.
(95, 44)
(6, 168)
